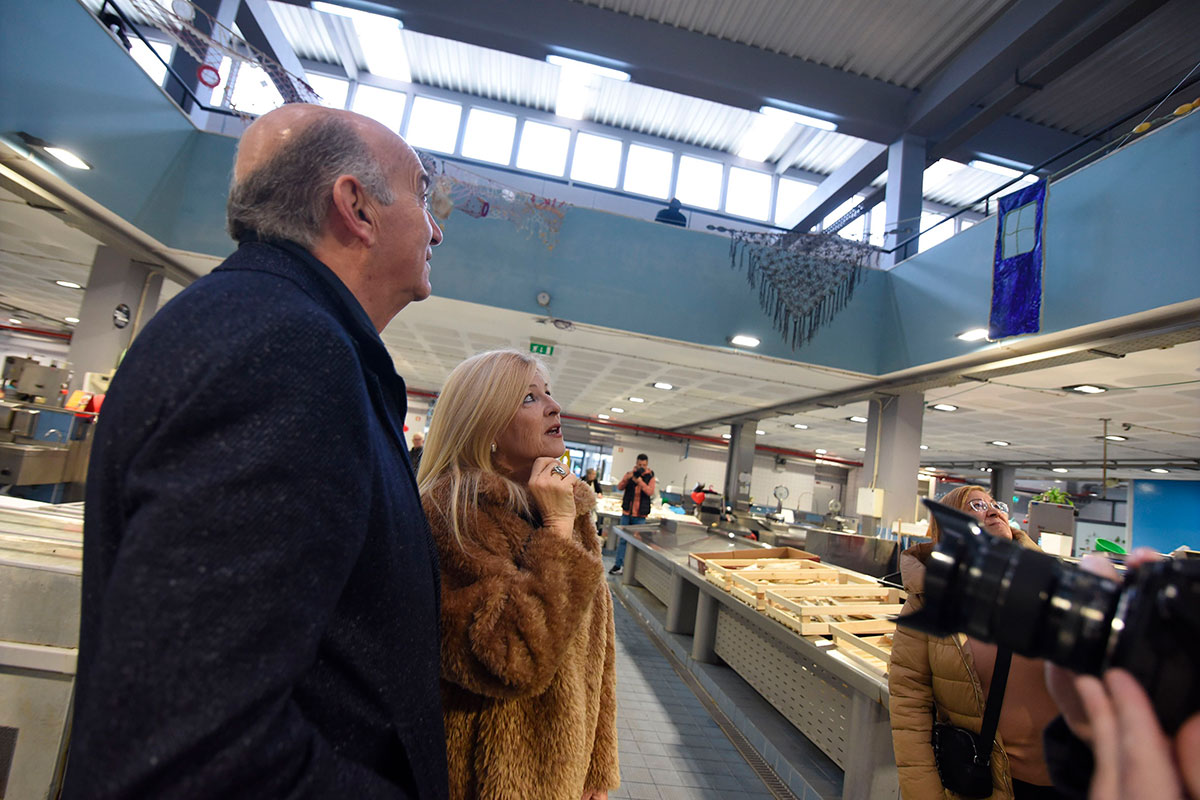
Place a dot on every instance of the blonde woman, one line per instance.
(528, 677)
(950, 677)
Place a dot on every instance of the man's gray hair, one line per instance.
(289, 196)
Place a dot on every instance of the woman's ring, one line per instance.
(558, 470)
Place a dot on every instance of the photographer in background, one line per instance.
(1108, 743)
(638, 485)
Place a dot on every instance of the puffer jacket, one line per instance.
(528, 652)
(929, 672)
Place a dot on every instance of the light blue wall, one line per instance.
(1108, 227)
(1164, 514)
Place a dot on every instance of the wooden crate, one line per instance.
(872, 653)
(814, 614)
(700, 561)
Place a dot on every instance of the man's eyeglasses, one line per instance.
(982, 506)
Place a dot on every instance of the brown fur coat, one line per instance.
(528, 655)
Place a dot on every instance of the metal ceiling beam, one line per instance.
(1120, 18)
(261, 30)
(863, 167)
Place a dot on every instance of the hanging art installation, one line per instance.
(1017, 274)
(804, 280)
(458, 189)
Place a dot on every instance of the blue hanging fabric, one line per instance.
(1017, 278)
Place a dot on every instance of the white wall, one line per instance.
(797, 476)
(39, 347)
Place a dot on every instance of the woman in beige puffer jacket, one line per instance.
(950, 675)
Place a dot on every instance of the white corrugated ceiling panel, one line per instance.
(306, 31)
(825, 151)
(645, 109)
(899, 43)
(478, 71)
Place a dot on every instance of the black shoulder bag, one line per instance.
(964, 759)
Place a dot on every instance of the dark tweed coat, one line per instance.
(260, 591)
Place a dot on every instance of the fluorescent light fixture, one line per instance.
(857, 418)
(1060, 470)
(800, 426)
(820, 451)
(71, 320)
(764, 135)
(666, 387)
(999, 443)
(604, 416)
(1112, 437)
(67, 157)
(69, 284)
(637, 400)
(995, 169)
(798, 119)
(616, 410)
(924, 447)
(973, 335)
(744, 340)
(760, 433)
(1085, 388)
(943, 407)
(585, 66)
(726, 436)
(1160, 471)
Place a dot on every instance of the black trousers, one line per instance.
(1031, 791)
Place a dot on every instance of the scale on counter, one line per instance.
(781, 494)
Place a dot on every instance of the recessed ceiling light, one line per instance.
(999, 443)
(943, 407)
(14, 321)
(71, 320)
(666, 387)
(924, 447)
(1085, 388)
(604, 416)
(636, 400)
(973, 335)
(69, 284)
(861, 449)
(1112, 437)
(67, 157)
(820, 451)
(1060, 470)
(857, 418)
(616, 410)
(800, 426)
(760, 433)
(744, 340)
(726, 436)
(985, 469)
(1160, 471)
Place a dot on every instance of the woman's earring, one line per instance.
(493, 447)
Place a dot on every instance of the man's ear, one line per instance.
(352, 210)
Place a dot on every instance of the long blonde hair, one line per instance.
(956, 499)
(479, 399)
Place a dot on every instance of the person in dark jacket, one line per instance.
(260, 587)
(638, 486)
(414, 454)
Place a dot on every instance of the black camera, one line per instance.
(639, 472)
(997, 591)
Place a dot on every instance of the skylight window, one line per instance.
(878, 216)
(543, 148)
(648, 171)
(382, 105)
(253, 91)
(790, 197)
(332, 90)
(763, 136)
(146, 59)
(748, 194)
(379, 38)
(936, 236)
(699, 182)
(433, 124)
(597, 160)
(489, 136)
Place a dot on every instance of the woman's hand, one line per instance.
(554, 494)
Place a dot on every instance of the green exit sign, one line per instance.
(541, 349)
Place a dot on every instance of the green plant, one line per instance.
(1054, 496)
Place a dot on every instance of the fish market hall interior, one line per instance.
(817, 261)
